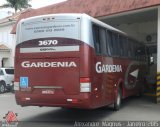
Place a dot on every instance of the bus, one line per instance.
(75, 61)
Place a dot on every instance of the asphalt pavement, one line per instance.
(133, 109)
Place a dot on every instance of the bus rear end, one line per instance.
(52, 62)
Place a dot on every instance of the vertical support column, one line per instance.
(158, 59)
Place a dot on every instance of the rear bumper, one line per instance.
(27, 99)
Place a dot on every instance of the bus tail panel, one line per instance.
(49, 76)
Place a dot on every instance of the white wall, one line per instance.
(9, 40)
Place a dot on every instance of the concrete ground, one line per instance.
(133, 109)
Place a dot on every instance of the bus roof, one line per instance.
(75, 15)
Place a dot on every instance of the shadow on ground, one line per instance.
(67, 117)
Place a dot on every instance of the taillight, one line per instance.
(85, 85)
(74, 101)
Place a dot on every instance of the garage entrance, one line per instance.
(142, 25)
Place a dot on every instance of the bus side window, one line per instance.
(115, 44)
(136, 55)
(135, 50)
(129, 48)
(121, 44)
(96, 39)
(110, 43)
(132, 49)
(102, 36)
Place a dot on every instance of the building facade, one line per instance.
(7, 42)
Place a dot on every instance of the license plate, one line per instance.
(48, 91)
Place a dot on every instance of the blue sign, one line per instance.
(24, 82)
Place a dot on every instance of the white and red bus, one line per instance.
(75, 61)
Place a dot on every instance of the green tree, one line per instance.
(16, 4)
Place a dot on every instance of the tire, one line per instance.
(2, 88)
(12, 89)
(117, 103)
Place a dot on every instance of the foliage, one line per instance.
(16, 4)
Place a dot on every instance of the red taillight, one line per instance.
(85, 85)
(74, 101)
(84, 80)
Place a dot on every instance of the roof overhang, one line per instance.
(130, 17)
(102, 8)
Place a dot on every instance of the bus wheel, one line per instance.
(117, 103)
